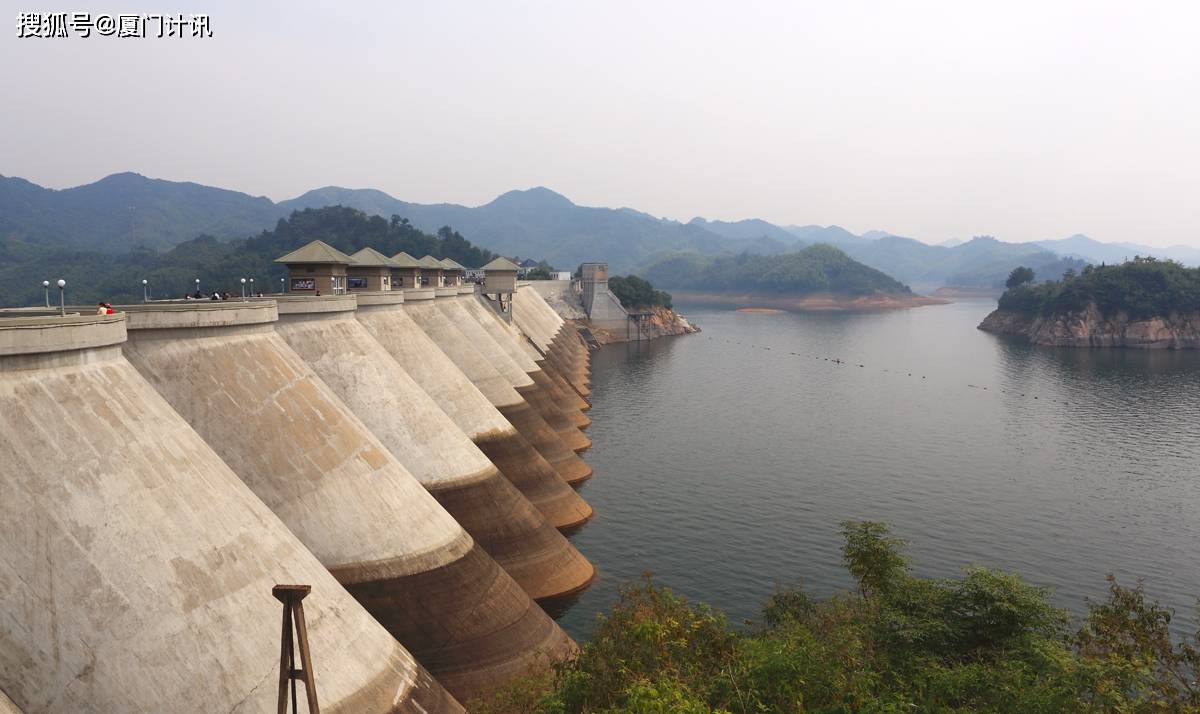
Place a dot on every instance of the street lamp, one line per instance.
(62, 301)
(243, 290)
(46, 289)
(281, 288)
(251, 287)
(145, 290)
(197, 287)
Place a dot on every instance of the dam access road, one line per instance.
(408, 453)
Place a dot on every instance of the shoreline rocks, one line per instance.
(663, 322)
(1091, 328)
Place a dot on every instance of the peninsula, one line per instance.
(819, 277)
(1145, 303)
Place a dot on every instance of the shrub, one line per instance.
(984, 642)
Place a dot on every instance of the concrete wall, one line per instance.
(548, 288)
(393, 327)
(406, 278)
(603, 308)
(317, 466)
(326, 279)
(407, 420)
(498, 389)
(377, 279)
(136, 568)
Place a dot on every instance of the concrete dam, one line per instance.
(406, 452)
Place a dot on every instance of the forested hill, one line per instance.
(95, 275)
(540, 222)
(1140, 288)
(815, 269)
(127, 210)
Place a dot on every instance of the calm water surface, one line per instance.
(724, 461)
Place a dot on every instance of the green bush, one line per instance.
(1142, 287)
(634, 292)
(984, 642)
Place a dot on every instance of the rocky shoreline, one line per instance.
(815, 301)
(662, 322)
(1091, 328)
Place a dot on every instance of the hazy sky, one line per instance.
(931, 119)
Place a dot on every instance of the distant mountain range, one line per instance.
(126, 211)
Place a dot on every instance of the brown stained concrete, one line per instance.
(558, 340)
(338, 488)
(567, 395)
(394, 329)
(539, 399)
(497, 389)
(454, 311)
(136, 568)
(523, 355)
(540, 325)
(581, 420)
(459, 663)
(427, 442)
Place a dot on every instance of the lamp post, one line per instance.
(243, 290)
(251, 287)
(145, 290)
(197, 287)
(281, 284)
(46, 289)
(62, 301)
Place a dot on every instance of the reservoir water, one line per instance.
(726, 460)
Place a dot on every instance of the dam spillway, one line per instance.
(561, 348)
(341, 491)
(453, 309)
(527, 358)
(390, 323)
(407, 420)
(561, 345)
(136, 567)
(420, 305)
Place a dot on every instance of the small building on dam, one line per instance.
(403, 442)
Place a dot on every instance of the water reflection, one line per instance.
(724, 461)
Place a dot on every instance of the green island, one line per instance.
(1144, 303)
(816, 277)
(984, 642)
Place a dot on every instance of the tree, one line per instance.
(1019, 276)
(634, 292)
(985, 641)
(541, 272)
